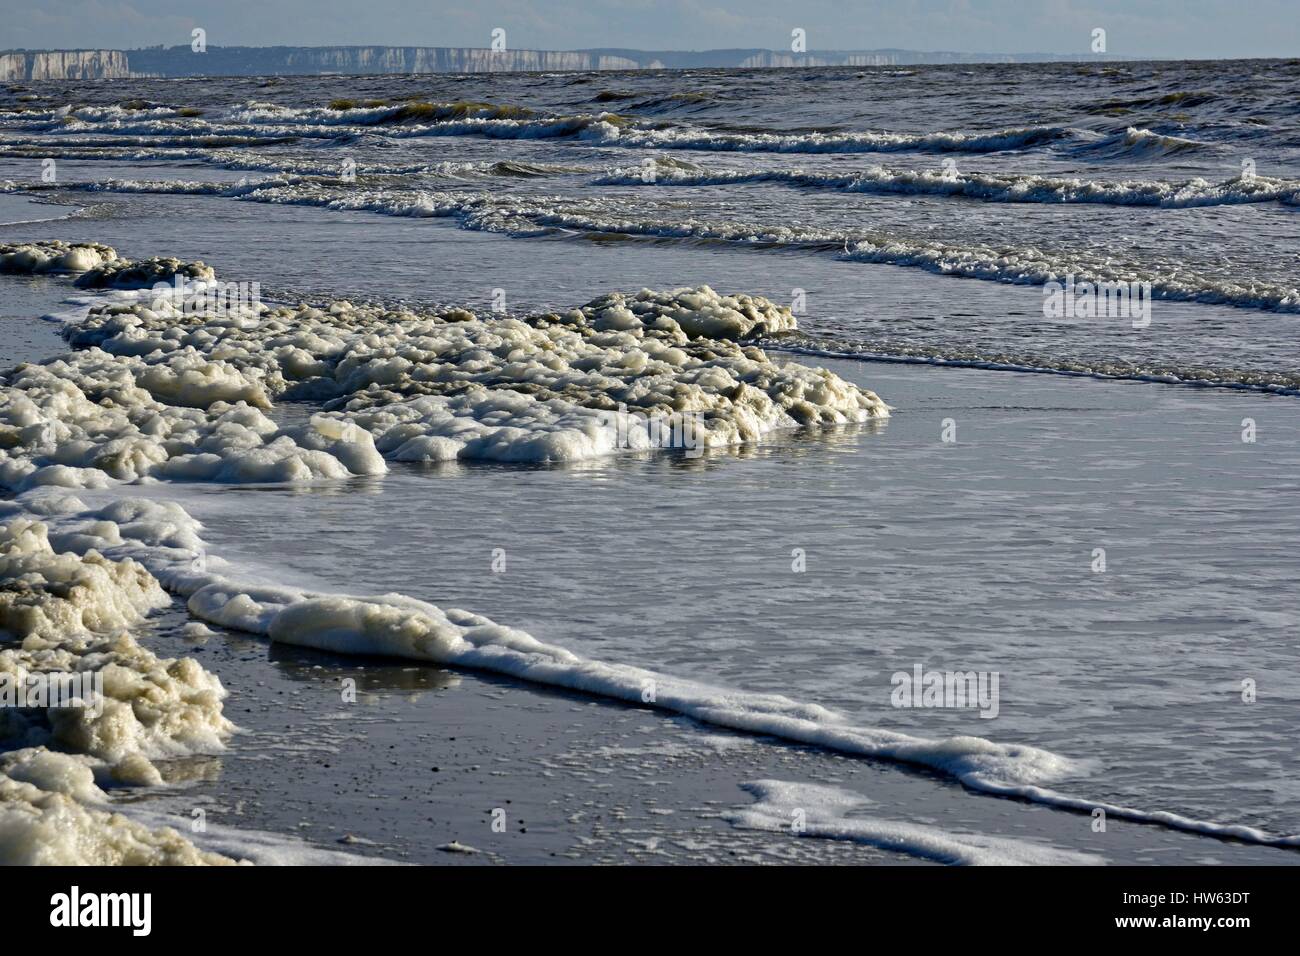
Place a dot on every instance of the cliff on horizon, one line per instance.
(287, 60)
(64, 65)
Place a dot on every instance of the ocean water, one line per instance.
(1183, 175)
(912, 219)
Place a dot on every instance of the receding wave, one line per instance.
(990, 187)
(540, 215)
(1271, 381)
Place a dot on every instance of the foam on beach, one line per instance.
(72, 612)
(833, 813)
(69, 610)
(53, 255)
(51, 814)
(166, 541)
(155, 389)
(161, 385)
(96, 265)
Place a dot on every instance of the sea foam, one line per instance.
(165, 540)
(155, 389)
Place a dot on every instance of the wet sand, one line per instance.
(425, 755)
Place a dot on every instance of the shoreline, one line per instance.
(486, 707)
(711, 787)
(429, 752)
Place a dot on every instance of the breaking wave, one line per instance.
(542, 215)
(1136, 143)
(497, 121)
(815, 142)
(991, 187)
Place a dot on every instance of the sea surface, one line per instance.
(912, 218)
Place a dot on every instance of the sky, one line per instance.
(1156, 28)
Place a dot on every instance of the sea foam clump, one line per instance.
(698, 313)
(48, 817)
(90, 417)
(54, 255)
(434, 386)
(144, 273)
(159, 390)
(68, 613)
(47, 596)
(96, 265)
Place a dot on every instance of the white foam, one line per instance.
(398, 626)
(525, 216)
(990, 187)
(51, 819)
(74, 614)
(95, 264)
(258, 847)
(159, 391)
(54, 255)
(833, 813)
(70, 612)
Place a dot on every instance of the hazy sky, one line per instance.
(1188, 28)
